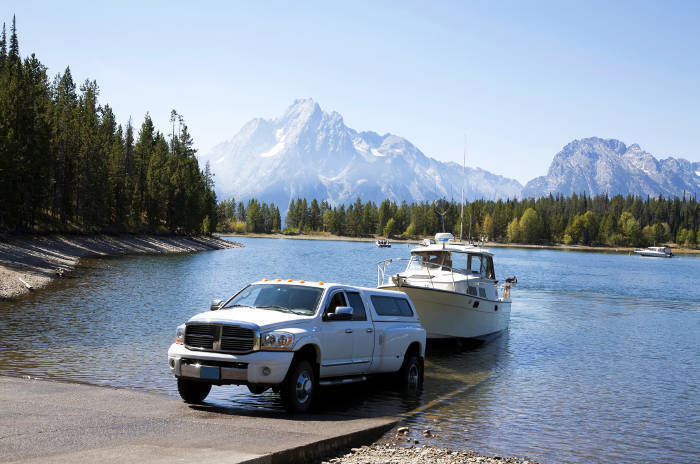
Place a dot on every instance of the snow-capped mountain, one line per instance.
(310, 153)
(598, 166)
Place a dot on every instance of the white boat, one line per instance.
(382, 243)
(453, 287)
(655, 251)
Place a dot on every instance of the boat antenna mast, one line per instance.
(461, 212)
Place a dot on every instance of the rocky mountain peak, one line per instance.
(311, 153)
(595, 166)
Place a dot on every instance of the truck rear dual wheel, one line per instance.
(193, 392)
(299, 387)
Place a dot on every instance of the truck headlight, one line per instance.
(180, 334)
(276, 340)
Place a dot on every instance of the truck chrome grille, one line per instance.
(221, 338)
(237, 339)
(201, 336)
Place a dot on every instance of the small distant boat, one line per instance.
(383, 243)
(655, 252)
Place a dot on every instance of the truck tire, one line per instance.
(411, 375)
(299, 387)
(193, 392)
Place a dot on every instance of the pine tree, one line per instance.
(3, 47)
(13, 54)
(64, 144)
(137, 165)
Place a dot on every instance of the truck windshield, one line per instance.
(297, 299)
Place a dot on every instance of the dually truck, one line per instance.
(294, 336)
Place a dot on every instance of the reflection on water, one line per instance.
(600, 363)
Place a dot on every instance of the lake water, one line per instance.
(601, 362)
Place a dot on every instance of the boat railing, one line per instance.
(384, 278)
(382, 270)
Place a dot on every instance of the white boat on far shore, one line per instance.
(382, 243)
(655, 252)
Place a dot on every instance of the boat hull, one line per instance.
(446, 314)
(651, 254)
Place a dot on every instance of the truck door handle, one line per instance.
(370, 330)
(348, 331)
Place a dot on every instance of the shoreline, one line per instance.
(339, 238)
(28, 263)
(411, 446)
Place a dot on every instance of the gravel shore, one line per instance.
(28, 263)
(388, 454)
(404, 445)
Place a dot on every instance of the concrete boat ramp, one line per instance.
(44, 421)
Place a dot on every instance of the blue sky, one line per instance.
(520, 79)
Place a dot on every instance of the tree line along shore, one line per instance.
(618, 221)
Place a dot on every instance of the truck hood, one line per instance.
(263, 318)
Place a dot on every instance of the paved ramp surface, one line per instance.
(44, 421)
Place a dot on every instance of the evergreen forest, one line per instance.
(579, 219)
(67, 165)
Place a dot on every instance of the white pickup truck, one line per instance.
(293, 336)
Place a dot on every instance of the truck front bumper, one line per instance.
(259, 367)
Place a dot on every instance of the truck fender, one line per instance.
(312, 341)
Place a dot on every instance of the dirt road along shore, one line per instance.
(28, 263)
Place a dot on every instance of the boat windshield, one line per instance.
(434, 260)
(298, 299)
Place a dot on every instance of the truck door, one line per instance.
(337, 338)
(363, 334)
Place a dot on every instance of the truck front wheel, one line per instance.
(299, 387)
(193, 392)
(411, 375)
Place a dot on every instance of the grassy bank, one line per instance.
(28, 263)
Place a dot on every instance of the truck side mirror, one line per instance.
(215, 304)
(342, 313)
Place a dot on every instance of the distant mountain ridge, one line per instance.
(598, 166)
(310, 153)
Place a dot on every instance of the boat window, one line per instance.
(358, 307)
(460, 264)
(490, 273)
(391, 306)
(415, 263)
(447, 262)
(431, 260)
(292, 298)
(474, 262)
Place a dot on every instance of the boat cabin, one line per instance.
(450, 266)
(474, 263)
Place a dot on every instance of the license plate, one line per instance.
(208, 372)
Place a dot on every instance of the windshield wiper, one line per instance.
(301, 312)
(274, 308)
